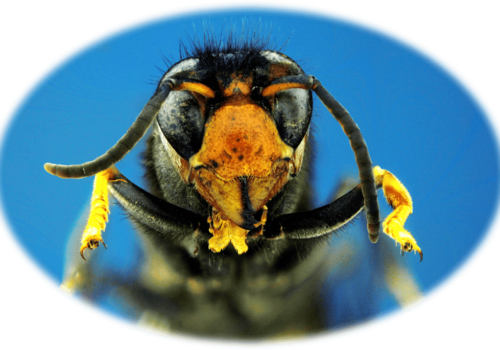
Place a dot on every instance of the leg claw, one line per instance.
(403, 237)
(91, 244)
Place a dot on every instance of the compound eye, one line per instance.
(181, 121)
(292, 114)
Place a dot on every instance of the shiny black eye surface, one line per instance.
(182, 123)
(292, 114)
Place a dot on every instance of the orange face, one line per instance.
(242, 163)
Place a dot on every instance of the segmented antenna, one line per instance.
(124, 144)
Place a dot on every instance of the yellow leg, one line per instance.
(99, 209)
(399, 199)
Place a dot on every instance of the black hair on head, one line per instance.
(230, 50)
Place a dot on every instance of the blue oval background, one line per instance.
(418, 122)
